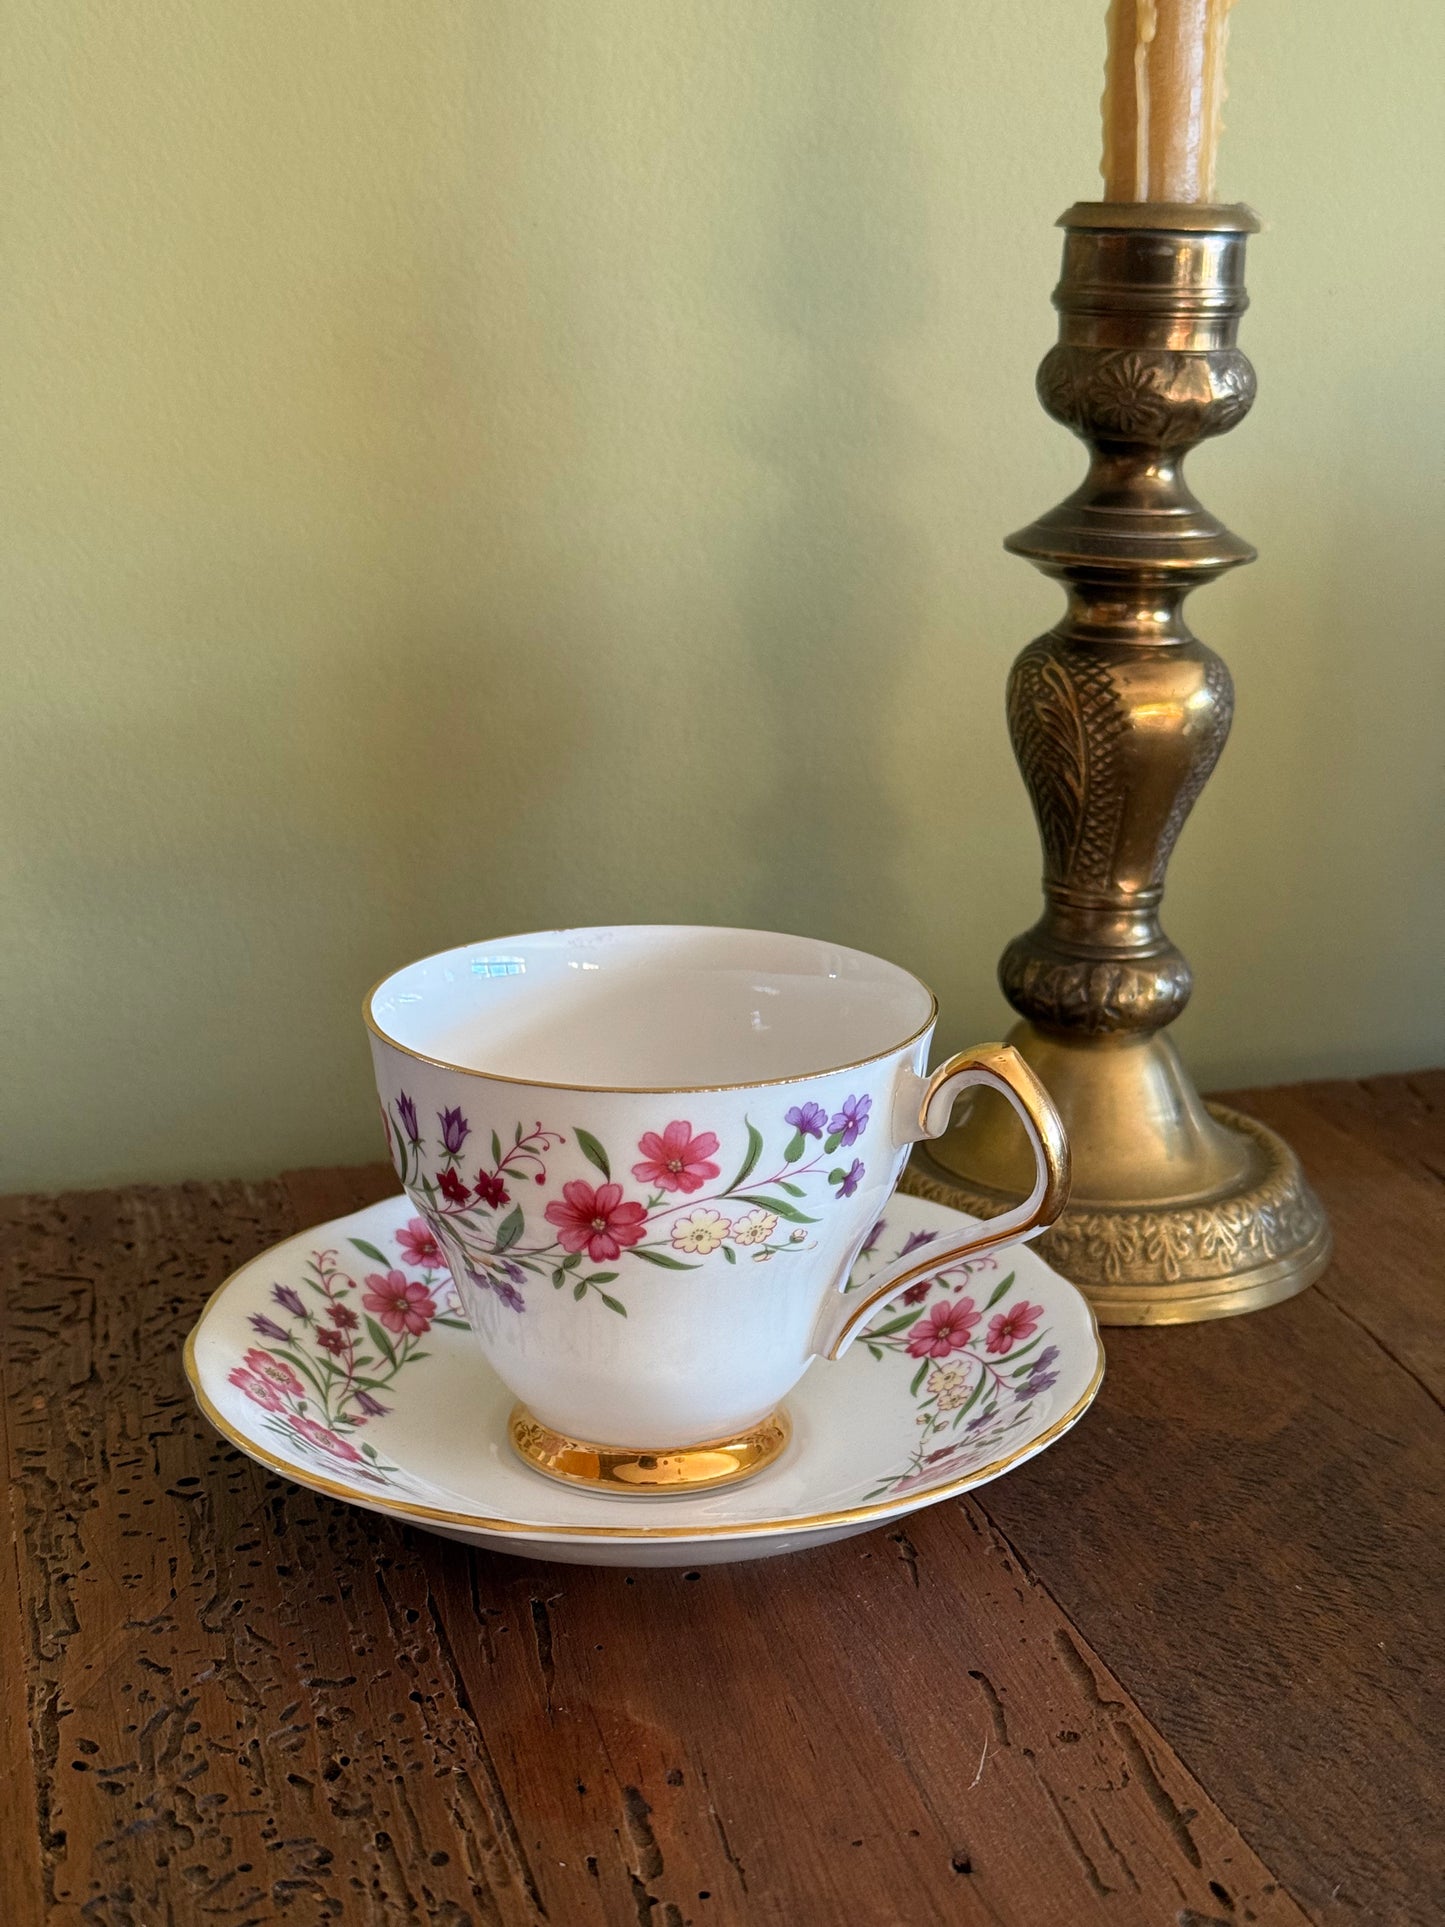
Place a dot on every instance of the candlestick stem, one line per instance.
(1180, 1210)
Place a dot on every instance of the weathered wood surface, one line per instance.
(1176, 1672)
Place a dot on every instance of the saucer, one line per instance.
(341, 1359)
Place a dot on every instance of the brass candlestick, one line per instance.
(1180, 1210)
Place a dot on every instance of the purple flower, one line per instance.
(267, 1327)
(455, 1128)
(871, 1241)
(406, 1111)
(514, 1272)
(1045, 1358)
(1035, 1383)
(288, 1300)
(851, 1180)
(807, 1119)
(915, 1239)
(371, 1406)
(508, 1293)
(852, 1121)
(974, 1423)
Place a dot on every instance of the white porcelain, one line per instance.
(996, 1359)
(651, 1156)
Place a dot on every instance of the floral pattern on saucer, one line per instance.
(984, 1354)
(333, 1345)
(321, 1361)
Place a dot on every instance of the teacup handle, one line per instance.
(999, 1068)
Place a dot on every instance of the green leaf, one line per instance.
(837, 1177)
(510, 1229)
(1019, 1370)
(793, 1190)
(601, 1277)
(382, 1343)
(779, 1206)
(918, 1377)
(453, 1324)
(571, 1261)
(754, 1152)
(832, 1141)
(370, 1251)
(369, 1450)
(897, 1324)
(559, 1277)
(874, 1349)
(661, 1258)
(973, 1396)
(516, 1136)
(730, 1254)
(612, 1304)
(579, 1290)
(795, 1148)
(592, 1151)
(496, 1149)
(999, 1291)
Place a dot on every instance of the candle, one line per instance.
(1163, 96)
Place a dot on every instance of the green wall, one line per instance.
(478, 466)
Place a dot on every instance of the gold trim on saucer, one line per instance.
(671, 1471)
(414, 1513)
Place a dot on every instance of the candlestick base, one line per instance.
(1180, 1210)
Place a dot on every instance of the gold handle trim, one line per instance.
(992, 1067)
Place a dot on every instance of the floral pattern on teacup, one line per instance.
(663, 1207)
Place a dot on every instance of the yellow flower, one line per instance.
(949, 1385)
(701, 1231)
(754, 1228)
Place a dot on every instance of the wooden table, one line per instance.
(1184, 1669)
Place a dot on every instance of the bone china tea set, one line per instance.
(648, 1179)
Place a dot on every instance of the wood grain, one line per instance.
(1377, 1150)
(245, 1704)
(1252, 1528)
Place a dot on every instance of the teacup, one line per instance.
(651, 1156)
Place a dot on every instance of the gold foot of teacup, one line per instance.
(616, 1468)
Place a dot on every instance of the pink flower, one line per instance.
(1008, 1327)
(399, 1302)
(317, 1434)
(256, 1389)
(935, 1468)
(598, 1220)
(343, 1317)
(947, 1328)
(274, 1371)
(676, 1161)
(419, 1245)
(330, 1341)
(491, 1190)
